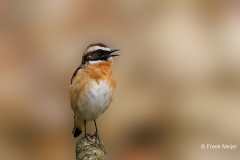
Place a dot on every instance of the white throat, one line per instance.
(93, 62)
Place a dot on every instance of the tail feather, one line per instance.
(76, 132)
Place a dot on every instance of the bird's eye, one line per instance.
(99, 51)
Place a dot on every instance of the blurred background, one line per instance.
(178, 77)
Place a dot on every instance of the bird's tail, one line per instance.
(76, 130)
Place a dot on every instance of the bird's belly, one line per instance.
(95, 100)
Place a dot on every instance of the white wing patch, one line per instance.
(94, 48)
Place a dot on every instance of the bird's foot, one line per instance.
(97, 137)
(87, 137)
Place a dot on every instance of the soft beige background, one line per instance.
(178, 77)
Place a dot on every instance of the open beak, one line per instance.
(114, 50)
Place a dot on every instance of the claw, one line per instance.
(88, 134)
(87, 137)
(97, 137)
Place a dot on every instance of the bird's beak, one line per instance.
(114, 50)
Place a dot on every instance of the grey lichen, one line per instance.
(90, 149)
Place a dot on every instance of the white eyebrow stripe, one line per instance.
(94, 48)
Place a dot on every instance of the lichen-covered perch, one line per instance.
(91, 149)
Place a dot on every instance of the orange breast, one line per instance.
(100, 71)
(97, 72)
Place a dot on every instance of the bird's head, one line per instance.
(98, 52)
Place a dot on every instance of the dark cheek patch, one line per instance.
(93, 57)
(90, 57)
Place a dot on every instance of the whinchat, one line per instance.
(92, 86)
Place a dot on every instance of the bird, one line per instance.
(92, 87)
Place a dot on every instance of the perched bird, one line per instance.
(92, 86)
